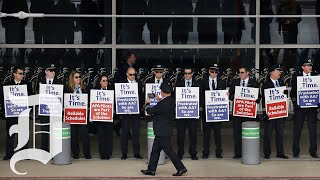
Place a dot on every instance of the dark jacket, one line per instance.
(207, 7)
(55, 81)
(40, 6)
(122, 70)
(289, 7)
(232, 7)
(182, 7)
(14, 27)
(152, 80)
(267, 85)
(159, 7)
(204, 86)
(133, 7)
(251, 83)
(162, 115)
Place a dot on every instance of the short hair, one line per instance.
(246, 68)
(129, 54)
(15, 69)
(188, 68)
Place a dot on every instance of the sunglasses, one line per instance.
(188, 73)
(158, 72)
(77, 77)
(216, 72)
(50, 70)
(20, 73)
(242, 72)
(104, 80)
(132, 74)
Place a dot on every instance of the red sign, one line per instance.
(75, 116)
(245, 108)
(101, 112)
(277, 110)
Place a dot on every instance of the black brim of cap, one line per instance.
(307, 64)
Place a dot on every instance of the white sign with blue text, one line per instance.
(127, 98)
(217, 106)
(187, 102)
(308, 91)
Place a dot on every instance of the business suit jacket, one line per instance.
(267, 85)
(204, 85)
(162, 115)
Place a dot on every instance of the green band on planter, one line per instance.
(150, 133)
(63, 133)
(251, 133)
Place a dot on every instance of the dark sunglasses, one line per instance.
(158, 72)
(20, 73)
(188, 73)
(132, 74)
(51, 70)
(216, 72)
(77, 77)
(104, 80)
(242, 72)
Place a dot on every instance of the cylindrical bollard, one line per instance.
(64, 157)
(151, 136)
(250, 143)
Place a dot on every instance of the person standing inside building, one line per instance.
(162, 115)
(17, 79)
(273, 81)
(132, 120)
(207, 27)
(190, 124)
(243, 81)
(50, 73)
(303, 113)
(212, 82)
(105, 129)
(182, 26)
(78, 130)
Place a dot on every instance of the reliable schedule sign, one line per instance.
(75, 108)
(276, 103)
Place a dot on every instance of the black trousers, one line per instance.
(80, 131)
(234, 37)
(299, 117)
(105, 133)
(237, 133)
(180, 37)
(10, 139)
(207, 128)
(182, 125)
(44, 136)
(134, 122)
(154, 37)
(278, 126)
(163, 143)
(207, 37)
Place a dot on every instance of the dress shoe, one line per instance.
(180, 172)
(148, 172)
(266, 156)
(138, 156)
(282, 156)
(75, 156)
(219, 156)
(87, 156)
(194, 157)
(7, 157)
(205, 156)
(237, 157)
(124, 156)
(314, 155)
(296, 155)
(180, 157)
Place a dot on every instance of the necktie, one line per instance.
(188, 83)
(104, 88)
(213, 85)
(307, 74)
(77, 90)
(17, 83)
(49, 81)
(277, 84)
(243, 83)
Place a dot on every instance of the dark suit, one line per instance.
(105, 134)
(182, 26)
(208, 126)
(269, 125)
(299, 116)
(79, 130)
(45, 119)
(132, 120)
(190, 124)
(237, 121)
(13, 121)
(162, 115)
